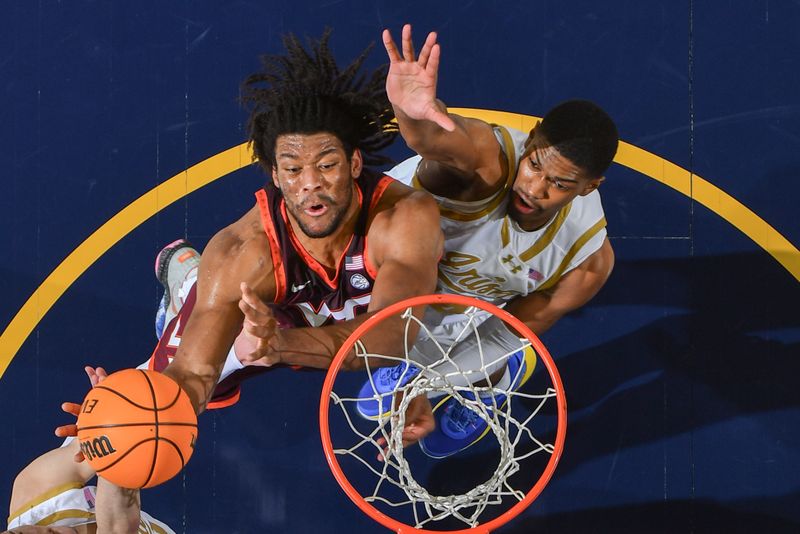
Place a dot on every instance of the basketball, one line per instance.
(137, 428)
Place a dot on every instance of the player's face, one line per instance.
(316, 179)
(546, 182)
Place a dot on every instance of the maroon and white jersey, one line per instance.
(305, 294)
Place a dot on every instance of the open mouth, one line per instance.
(316, 210)
(523, 205)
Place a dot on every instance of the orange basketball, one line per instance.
(137, 428)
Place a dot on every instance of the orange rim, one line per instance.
(544, 357)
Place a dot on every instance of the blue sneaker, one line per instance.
(174, 264)
(459, 427)
(386, 380)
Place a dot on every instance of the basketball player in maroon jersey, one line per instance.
(328, 241)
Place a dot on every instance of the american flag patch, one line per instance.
(354, 263)
(533, 274)
(89, 496)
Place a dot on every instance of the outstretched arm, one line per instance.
(52, 469)
(56, 467)
(467, 147)
(216, 319)
(117, 509)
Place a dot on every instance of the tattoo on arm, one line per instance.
(131, 496)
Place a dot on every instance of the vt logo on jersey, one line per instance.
(318, 317)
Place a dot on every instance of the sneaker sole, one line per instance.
(162, 265)
(529, 356)
(476, 440)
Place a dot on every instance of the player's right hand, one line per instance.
(260, 331)
(411, 81)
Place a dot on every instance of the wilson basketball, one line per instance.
(137, 428)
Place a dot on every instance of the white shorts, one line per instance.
(463, 348)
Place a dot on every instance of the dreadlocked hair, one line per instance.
(304, 92)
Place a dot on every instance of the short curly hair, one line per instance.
(305, 92)
(583, 133)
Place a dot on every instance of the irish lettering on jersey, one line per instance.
(458, 272)
(489, 256)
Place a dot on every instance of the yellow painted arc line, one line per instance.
(219, 165)
(120, 225)
(716, 200)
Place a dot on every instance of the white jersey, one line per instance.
(73, 505)
(487, 255)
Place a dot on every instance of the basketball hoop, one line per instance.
(385, 488)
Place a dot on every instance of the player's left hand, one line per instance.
(260, 331)
(418, 424)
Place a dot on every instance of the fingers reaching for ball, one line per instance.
(95, 374)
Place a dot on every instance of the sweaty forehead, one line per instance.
(548, 156)
(295, 144)
(539, 143)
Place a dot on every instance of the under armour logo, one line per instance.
(295, 288)
(509, 259)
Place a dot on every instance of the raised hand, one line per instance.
(411, 82)
(254, 346)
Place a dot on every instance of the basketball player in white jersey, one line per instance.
(523, 222)
(52, 494)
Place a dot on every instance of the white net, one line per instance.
(508, 413)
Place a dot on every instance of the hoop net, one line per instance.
(373, 449)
